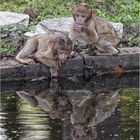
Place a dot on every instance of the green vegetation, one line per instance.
(6, 47)
(124, 11)
(129, 114)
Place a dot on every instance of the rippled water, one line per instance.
(70, 114)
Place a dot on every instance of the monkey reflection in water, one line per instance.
(84, 116)
(92, 110)
(53, 100)
(51, 49)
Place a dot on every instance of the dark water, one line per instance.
(67, 110)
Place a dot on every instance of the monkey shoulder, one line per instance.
(103, 26)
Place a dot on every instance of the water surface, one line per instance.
(62, 112)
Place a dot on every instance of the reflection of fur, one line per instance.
(95, 108)
(92, 110)
(84, 115)
(56, 102)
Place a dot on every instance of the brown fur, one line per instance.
(95, 31)
(44, 48)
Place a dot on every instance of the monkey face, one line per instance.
(62, 56)
(81, 132)
(81, 13)
(80, 18)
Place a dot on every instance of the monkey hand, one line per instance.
(30, 61)
(58, 63)
(77, 27)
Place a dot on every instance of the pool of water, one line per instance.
(70, 111)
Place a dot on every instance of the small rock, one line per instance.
(63, 24)
(11, 19)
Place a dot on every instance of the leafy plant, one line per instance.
(6, 47)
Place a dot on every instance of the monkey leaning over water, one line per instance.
(51, 49)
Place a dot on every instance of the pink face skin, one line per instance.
(80, 18)
(77, 27)
(62, 55)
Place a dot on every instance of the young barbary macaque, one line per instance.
(51, 49)
(93, 31)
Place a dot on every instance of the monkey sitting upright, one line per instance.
(51, 49)
(92, 30)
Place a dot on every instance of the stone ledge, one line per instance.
(73, 83)
(91, 66)
(12, 71)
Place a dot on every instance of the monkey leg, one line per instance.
(105, 48)
(108, 50)
(25, 60)
(97, 52)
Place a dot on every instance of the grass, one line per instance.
(6, 47)
(124, 11)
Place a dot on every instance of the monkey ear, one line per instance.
(72, 10)
(94, 12)
(51, 42)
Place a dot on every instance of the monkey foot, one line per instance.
(97, 52)
(100, 53)
(25, 61)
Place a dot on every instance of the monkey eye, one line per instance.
(61, 41)
(83, 16)
(77, 15)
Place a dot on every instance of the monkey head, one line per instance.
(81, 132)
(64, 44)
(62, 49)
(82, 13)
(62, 41)
(61, 105)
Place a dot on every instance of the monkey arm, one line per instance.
(29, 48)
(91, 34)
(24, 56)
